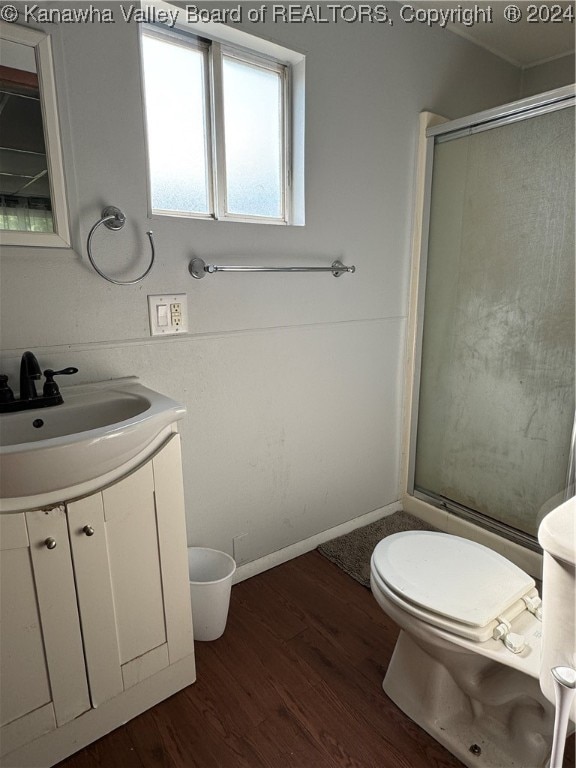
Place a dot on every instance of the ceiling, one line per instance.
(523, 44)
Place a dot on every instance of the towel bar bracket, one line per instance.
(113, 218)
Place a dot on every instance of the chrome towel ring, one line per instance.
(114, 219)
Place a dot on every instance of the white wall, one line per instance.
(547, 76)
(292, 382)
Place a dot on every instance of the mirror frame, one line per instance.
(41, 44)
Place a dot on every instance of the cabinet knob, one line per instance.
(88, 530)
(50, 543)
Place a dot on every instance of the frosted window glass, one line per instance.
(497, 383)
(174, 79)
(253, 136)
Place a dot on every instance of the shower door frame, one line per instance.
(455, 517)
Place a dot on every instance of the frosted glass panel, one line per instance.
(174, 79)
(253, 134)
(497, 383)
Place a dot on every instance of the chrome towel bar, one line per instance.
(198, 268)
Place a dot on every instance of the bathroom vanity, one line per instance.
(95, 602)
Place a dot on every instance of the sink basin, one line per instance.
(99, 433)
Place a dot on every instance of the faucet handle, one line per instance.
(6, 394)
(50, 387)
(49, 373)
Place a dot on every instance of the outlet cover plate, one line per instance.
(163, 319)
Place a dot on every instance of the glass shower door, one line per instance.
(496, 400)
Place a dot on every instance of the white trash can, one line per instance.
(210, 573)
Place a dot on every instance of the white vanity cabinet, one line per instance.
(42, 671)
(95, 608)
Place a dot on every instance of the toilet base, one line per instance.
(487, 715)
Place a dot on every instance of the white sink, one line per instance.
(99, 433)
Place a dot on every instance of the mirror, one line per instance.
(33, 207)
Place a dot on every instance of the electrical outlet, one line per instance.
(176, 314)
(168, 314)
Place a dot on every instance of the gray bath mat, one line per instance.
(352, 551)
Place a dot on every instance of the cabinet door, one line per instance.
(95, 597)
(41, 658)
(125, 554)
(172, 542)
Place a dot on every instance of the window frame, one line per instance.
(220, 51)
(214, 127)
(183, 40)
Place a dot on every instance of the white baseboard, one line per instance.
(301, 547)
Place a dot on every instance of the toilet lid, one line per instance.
(450, 576)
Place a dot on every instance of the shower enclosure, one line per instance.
(492, 417)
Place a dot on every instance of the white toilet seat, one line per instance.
(451, 583)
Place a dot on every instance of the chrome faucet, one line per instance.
(29, 372)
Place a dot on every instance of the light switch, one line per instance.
(162, 315)
(168, 313)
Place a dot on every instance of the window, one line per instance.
(219, 129)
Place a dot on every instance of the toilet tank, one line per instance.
(557, 537)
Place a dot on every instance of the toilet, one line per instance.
(467, 664)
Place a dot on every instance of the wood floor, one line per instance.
(295, 682)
